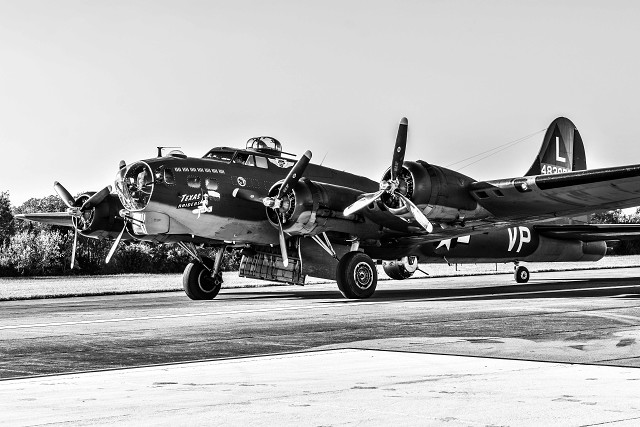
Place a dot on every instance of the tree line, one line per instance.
(33, 249)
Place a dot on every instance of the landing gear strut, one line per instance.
(521, 274)
(202, 278)
(356, 275)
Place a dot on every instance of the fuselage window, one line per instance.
(169, 177)
(250, 161)
(211, 184)
(159, 175)
(193, 181)
(262, 162)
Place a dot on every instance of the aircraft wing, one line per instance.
(543, 197)
(51, 218)
(590, 232)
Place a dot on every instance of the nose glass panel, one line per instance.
(135, 186)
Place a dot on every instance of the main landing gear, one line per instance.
(356, 275)
(202, 278)
(521, 273)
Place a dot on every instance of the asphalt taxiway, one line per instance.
(566, 345)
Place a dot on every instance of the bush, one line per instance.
(29, 254)
(131, 258)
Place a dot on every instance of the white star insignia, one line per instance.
(445, 243)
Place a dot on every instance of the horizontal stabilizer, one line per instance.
(52, 218)
(590, 232)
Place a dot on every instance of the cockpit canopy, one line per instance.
(265, 144)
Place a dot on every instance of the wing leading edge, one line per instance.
(52, 218)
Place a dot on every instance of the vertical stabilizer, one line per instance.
(562, 150)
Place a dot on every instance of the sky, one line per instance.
(84, 84)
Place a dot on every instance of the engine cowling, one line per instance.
(312, 208)
(442, 194)
(102, 221)
(401, 269)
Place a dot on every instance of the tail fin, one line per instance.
(562, 150)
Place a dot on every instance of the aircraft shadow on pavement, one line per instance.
(582, 288)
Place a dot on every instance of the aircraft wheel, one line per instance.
(356, 275)
(521, 274)
(198, 282)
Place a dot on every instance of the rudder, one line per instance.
(562, 150)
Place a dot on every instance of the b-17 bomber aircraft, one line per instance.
(294, 218)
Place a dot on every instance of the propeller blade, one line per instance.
(115, 244)
(74, 247)
(66, 197)
(246, 194)
(399, 149)
(362, 202)
(283, 243)
(294, 174)
(122, 164)
(417, 213)
(95, 200)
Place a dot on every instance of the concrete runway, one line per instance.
(394, 344)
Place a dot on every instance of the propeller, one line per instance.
(75, 246)
(99, 196)
(392, 185)
(77, 211)
(95, 200)
(66, 197)
(115, 244)
(278, 203)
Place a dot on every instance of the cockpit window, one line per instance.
(245, 159)
(262, 162)
(240, 158)
(222, 156)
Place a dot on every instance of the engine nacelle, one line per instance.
(102, 221)
(442, 194)
(313, 208)
(401, 269)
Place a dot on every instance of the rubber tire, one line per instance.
(352, 268)
(198, 283)
(396, 271)
(521, 274)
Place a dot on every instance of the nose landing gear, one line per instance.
(202, 278)
(200, 282)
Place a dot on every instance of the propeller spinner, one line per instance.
(391, 186)
(280, 202)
